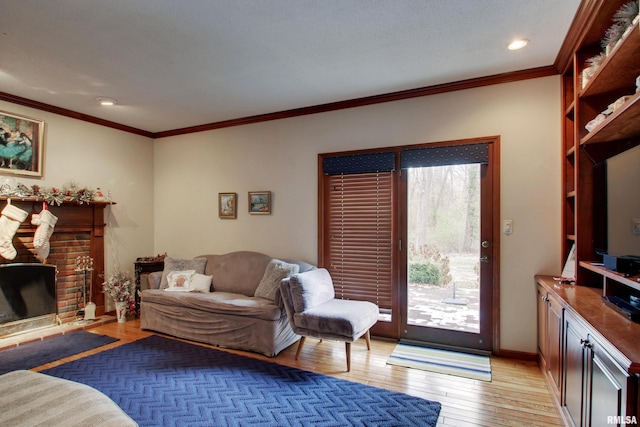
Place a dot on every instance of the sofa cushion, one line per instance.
(311, 288)
(216, 303)
(238, 272)
(177, 264)
(274, 273)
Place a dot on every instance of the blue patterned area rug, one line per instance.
(37, 353)
(442, 361)
(164, 382)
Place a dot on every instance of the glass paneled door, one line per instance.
(446, 282)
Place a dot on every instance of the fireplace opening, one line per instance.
(27, 297)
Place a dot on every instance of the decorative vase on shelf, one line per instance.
(121, 311)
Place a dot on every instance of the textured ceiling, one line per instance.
(174, 64)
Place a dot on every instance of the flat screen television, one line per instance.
(623, 203)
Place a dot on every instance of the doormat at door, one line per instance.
(448, 362)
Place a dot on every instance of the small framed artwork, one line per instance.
(227, 206)
(260, 202)
(21, 145)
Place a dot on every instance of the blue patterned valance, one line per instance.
(359, 163)
(445, 155)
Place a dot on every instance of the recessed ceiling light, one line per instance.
(518, 44)
(106, 101)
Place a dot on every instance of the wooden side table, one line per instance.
(143, 266)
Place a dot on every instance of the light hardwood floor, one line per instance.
(516, 396)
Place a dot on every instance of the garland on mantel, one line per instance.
(70, 192)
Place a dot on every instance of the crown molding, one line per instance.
(73, 114)
(509, 77)
(370, 100)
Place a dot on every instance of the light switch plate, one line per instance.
(636, 226)
(507, 226)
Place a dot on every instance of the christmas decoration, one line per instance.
(46, 222)
(70, 192)
(10, 220)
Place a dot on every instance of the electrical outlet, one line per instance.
(636, 226)
(507, 226)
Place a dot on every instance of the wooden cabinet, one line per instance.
(596, 388)
(610, 389)
(590, 355)
(550, 332)
(573, 372)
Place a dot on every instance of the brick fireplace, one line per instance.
(78, 232)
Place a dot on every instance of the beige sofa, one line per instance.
(239, 312)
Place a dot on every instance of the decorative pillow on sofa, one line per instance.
(188, 281)
(179, 280)
(200, 283)
(273, 274)
(177, 264)
(311, 288)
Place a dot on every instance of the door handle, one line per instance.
(484, 259)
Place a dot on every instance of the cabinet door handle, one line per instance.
(545, 298)
(585, 343)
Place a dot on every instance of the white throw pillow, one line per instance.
(200, 283)
(274, 273)
(178, 264)
(179, 280)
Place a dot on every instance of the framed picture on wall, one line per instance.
(227, 206)
(21, 144)
(260, 202)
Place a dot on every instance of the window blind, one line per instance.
(445, 155)
(359, 226)
(359, 163)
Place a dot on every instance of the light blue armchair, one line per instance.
(313, 311)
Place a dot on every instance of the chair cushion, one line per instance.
(338, 319)
(310, 289)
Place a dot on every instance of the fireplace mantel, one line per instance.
(79, 232)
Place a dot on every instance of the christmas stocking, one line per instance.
(10, 220)
(46, 222)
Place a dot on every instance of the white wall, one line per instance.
(281, 156)
(96, 156)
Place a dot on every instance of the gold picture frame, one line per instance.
(21, 145)
(260, 202)
(227, 205)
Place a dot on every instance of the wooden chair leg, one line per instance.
(347, 346)
(367, 337)
(300, 344)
